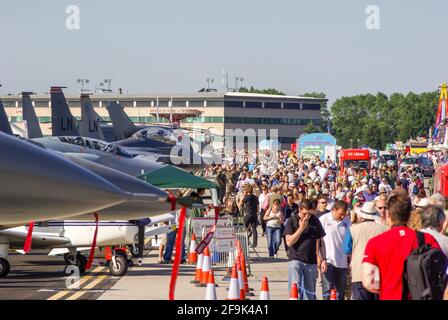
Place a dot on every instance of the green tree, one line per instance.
(263, 91)
(311, 128)
(324, 111)
(378, 120)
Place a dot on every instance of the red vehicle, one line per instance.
(441, 180)
(360, 158)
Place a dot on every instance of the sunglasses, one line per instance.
(323, 202)
(381, 208)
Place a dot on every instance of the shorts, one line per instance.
(163, 238)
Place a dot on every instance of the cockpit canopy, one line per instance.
(157, 133)
(95, 145)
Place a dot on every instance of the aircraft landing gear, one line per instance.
(80, 261)
(135, 250)
(5, 267)
(119, 264)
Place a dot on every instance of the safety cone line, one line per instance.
(264, 294)
(294, 294)
(234, 290)
(333, 294)
(192, 254)
(198, 273)
(206, 267)
(210, 293)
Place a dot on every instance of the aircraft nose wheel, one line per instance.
(4, 267)
(120, 267)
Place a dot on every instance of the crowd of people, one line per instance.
(355, 223)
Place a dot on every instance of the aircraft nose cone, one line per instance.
(36, 184)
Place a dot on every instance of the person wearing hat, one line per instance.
(383, 194)
(369, 194)
(355, 242)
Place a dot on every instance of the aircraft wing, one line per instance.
(162, 218)
(17, 236)
(59, 251)
(154, 231)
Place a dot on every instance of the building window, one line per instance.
(254, 105)
(293, 106)
(143, 103)
(215, 103)
(310, 106)
(233, 104)
(40, 104)
(272, 105)
(287, 139)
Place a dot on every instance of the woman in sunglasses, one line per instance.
(273, 218)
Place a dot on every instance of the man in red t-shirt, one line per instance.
(384, 256)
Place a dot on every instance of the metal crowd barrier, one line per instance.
(225, 260)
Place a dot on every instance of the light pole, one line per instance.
(351, 143)
(237, 78)
(209, 80)
(358, 142)
(108, 81)
(82, 81)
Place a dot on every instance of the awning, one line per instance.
(171, 177)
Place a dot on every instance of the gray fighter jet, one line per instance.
(4, 123)
(162, 138)
(90, 120)
(100, 152)
(29, 115)
(37, 185)
(90, 128)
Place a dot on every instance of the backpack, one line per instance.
(424, 276)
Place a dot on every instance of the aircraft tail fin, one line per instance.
(63, 123)
(123, 125)
(90, 120)
(29, 115)
(4, 123)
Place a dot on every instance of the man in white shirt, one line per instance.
(323, 172)
(335, 223)
(384, 184)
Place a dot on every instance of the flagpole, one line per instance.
(157, 109)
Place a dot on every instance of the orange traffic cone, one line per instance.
(240, 279)
(210, 292)
(234, 291)
(245, 280)
(333, 294)
(198, 274)
(294, 292)
(193, 255)
(206, 267)
(264, 294)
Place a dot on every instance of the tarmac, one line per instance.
(151, 280)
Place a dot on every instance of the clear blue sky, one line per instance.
(293, 45)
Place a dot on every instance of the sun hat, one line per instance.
(368, 211)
